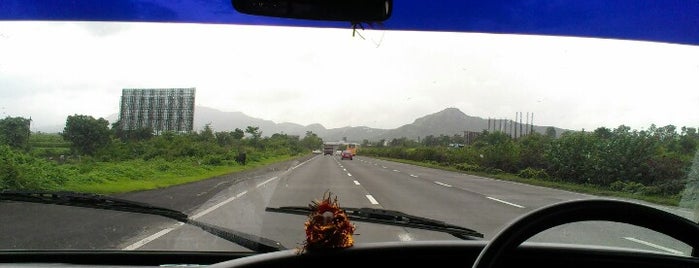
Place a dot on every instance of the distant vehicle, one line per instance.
(316, 151)
(352, 148)
(328, 149)
(346, 154)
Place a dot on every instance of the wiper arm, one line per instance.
(392, 217)
(73, 199)
(91, 201)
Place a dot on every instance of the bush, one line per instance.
(213, 160)
(469, 167)
(531, 173)
(629, 187)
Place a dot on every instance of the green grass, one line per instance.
(138, 175)
(568, 186)
(48, 144)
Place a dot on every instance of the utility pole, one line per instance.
(520, 125)
(516, 114)
(532, 124)
(527, 128)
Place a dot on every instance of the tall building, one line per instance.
(162, 109)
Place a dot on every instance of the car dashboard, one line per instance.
(393, 254)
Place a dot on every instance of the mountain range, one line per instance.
(450, 121)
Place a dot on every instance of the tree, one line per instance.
(551, 132)
(86, 134)
(603, 133)
(311, 141)
(238, 134)
(224, 138)
(207, 134)
(138, 134)
(254, 132)
(14, 131)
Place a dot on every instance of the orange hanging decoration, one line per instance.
(328, 227)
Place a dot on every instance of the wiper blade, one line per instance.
(392, 217)
(73, 199)
(91, 201)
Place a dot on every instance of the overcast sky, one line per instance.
(51, 70)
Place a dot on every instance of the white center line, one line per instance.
(344, 169)
(265, 182)
(163, 232)
(372, 200)
(152, 237)
(443, 184)
(383, 166)
(214, 207)
(673, 251)
(504, 202)
(356, 182)
(405, 237)
(414, 176)
(396, 170)
(348, 174)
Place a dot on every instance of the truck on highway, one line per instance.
(328, 149)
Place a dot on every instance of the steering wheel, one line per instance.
(534, 222)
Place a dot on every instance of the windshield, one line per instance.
(231, 123)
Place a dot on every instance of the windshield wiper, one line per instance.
(392, 217)
(252, 242)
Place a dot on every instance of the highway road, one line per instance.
(238, 202)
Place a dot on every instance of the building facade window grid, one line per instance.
(165, 109)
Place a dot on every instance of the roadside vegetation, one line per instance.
(92, 156)
(651, 165)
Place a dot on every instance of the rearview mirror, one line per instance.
(329, 10)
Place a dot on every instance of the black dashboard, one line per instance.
(390, 254)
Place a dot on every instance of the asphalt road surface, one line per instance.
(238, 202)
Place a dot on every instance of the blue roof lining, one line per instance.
(671, 21)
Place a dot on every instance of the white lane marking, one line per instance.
(304, 162)
(673, 251)
(383, 166)
(348, 174)
(344, 169)
(405, 237)
(152, 237)
(214, 207)
(356, 182)
(163, 232)
(443, 184)
(414, 176)
(265, 182)
(504, 202)
(372, 200)
(396, 170)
